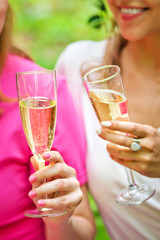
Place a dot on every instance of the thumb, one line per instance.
(35, 163)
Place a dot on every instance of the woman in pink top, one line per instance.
(15, 167)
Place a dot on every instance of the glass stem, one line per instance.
(41, 164)
(131, 180)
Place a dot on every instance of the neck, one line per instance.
(144, 54)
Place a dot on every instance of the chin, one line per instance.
(131, 37)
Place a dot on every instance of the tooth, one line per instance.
(131, 10)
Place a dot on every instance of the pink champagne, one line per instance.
(109, 105)
(38, 118)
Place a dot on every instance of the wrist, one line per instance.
(60, 221)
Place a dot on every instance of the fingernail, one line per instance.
(98, 131)
(32, 194)
(46, 155)
(106, 124)
(32, 178)
(41, 203)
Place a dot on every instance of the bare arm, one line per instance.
(80, 225)
(64, 194)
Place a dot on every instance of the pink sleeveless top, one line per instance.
(15, 167)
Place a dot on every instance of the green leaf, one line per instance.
(100, 4)
(96, 21)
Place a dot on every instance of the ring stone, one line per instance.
(135, 145)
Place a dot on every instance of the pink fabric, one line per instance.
(15, 167)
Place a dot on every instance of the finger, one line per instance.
(70, 201)
(115, 137)
(142, 155)
(129, 164)
(127, 154)
(140, 167)
(33, 177)
(52, 157)
(148, 143)
(136, 129)
(59, 170)
(57, 185)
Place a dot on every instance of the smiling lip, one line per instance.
(130, 13)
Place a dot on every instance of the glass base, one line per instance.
(134, 195)
(44, 212)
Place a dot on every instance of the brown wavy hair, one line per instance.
(115, 43)
(114, 46)
(113, 50)
(7, 47)
(5, 37)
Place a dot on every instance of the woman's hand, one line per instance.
(146, 161)
(58, 181)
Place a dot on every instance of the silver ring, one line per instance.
(135, 145)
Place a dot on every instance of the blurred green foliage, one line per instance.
(44, 28)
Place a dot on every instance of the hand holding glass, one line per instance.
(37, 96)
(106, 93)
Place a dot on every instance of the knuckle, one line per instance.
(62, 202)
(122, 141)
(76, 184)
(147, 158)
(76, 200)
(73, 171)
(60, 184)
(60, 167)
(56, 153)
(79, 196)
(133, 128)
(145, 169)
(115, 124)
(151, 145)
(58, 156)
(151, 131)
(39, 191)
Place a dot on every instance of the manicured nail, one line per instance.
(32, 178)
(98, 131)
(41, 203)
(32, 194)
(106, 124)
(46, 155)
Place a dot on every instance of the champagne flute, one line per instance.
(37, 96)
(106, 92)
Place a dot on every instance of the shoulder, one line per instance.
(20, 64)
(16, 64)
(89, 47)
(78, 52)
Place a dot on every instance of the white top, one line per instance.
(106, 178)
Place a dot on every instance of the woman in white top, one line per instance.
(136, 49)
